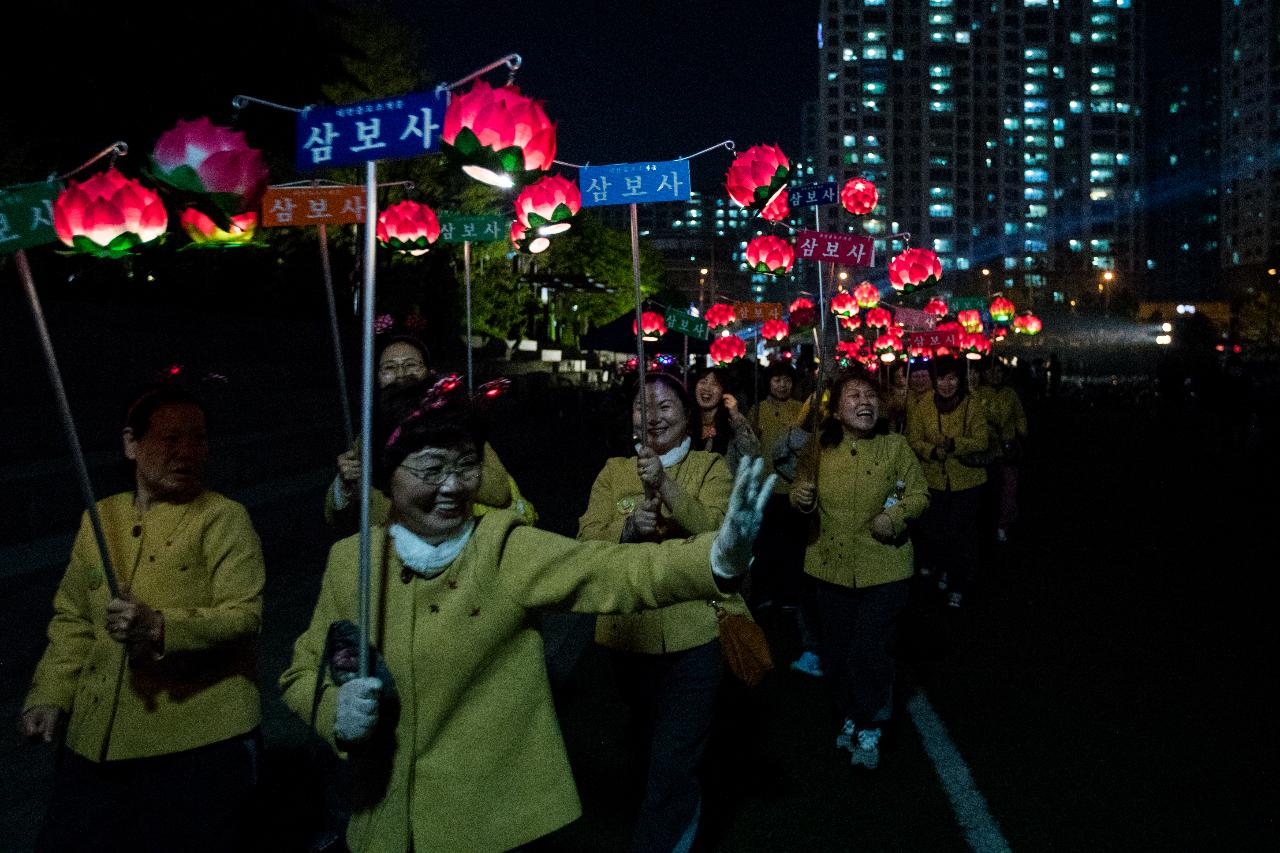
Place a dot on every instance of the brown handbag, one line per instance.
(745, 648)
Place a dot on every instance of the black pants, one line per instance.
(858, 631)
(673, 696)
(185, 801)
(949, 531)
(778, 572)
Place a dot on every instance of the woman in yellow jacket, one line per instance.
(1008, 422)
(948, 432)
(668, 661)
(156, 688)
(863, 485)
(457, 746)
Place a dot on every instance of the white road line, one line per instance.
(970, 807)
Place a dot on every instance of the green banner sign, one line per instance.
(686, 324)
(456, 228)
(26, 215)
(968, 303)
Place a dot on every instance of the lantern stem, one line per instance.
(68, 425)
(511, 60)
(366, 407)
(325, 267)
(640, 365)
(466, 276)
(115, 149)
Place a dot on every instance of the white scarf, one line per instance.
(675, 455)
(424, 558)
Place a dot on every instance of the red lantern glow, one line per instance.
(1001, 309)
(200, 157)
(408, 226)
(498, 136)
(888, 347)
(867, 295)
(757, 176)
(654, 324)
(774, 330)
(919, 352)
(913, 269)
(108, 215)
(970, 320)
(974, 346)
(848, 349)
(843, 304)
(878, 318)
(851, 323)
(728, 348)
(777, 210)
(1027, 324)
(771, 255)
(859, 196)
(204, 232)
(547, 206)
(936, 307)
(719, 315)
(802, 313)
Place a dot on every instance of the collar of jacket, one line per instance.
(675, 455)
(421, 556)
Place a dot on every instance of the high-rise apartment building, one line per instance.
(1003, 134)
(1250, 127)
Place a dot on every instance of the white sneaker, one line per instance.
(942, 582)
(867, 752)
(844, 740)
(1001, 536)
(954, 600)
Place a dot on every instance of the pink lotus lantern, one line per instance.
(851, 323)
(970, 320)
(923, 353)
(913, 269)
(999, 333)
(719, 315)
(728, 348)
(498, 136)
(888, 347)
(653, 323)
(859, 196)
(974, 346)
(771, 255)
(777, 210)
(200, 157)
(878, 318)
(1001, 309)
(848, 350)
(897, 330)
(757, 177)
(547, 206)
(802, 313)
(408, 226)
(936, 307)
(205, 233)
(774, 330)
(1027, 324)
(108, 215)
(843, 304)
(867, 295)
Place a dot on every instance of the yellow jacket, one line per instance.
(770, 420)
(852, 490)
(705, 483)
(967, 424)
(198, 563)
(476, 761)
(1005, 414)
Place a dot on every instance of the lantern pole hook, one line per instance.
(239, 102)
(513, 62)
(115, 149)
(727, 145)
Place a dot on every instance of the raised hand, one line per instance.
(731, 551)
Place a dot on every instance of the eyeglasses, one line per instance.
(467, 470)
(406, 367)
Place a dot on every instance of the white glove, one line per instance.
(731, 551)
(357, 709)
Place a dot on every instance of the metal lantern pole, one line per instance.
(348, 431)
(366, 409)
(640, 365)
(68, 425)
(466, 277)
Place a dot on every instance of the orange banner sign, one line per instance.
(751, 311)
(283, 206)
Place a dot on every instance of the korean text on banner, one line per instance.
(750, 312)
(456, 228)
(686, 324)
(850, 250)
(385, 129)
(26, 215)
(929, 340)
(284, 206)
(811, 195)
(634, 183)
(914, 319)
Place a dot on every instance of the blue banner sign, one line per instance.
(386, 129)
(812, 194)
(634, 183)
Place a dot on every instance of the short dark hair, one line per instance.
(137, 418)
(411, 340)
(781, 368)
(832, 431)
(659, 377)
(433, 412)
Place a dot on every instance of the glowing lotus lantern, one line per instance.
(867, 295)
(913, 269)
(896, 330)
(200, 157)
(999, 333)
(974, 346)
(408, 226)
(843, 304)
(859, 196)
(919, 353)
(851, 323)
(1027, 324)
(498, 136)
(774, 330)
(888, 347)
(802, 313)
(878, 318)
(205, 233)
(728, 348)
(719, 315)
(936, 307)
(970, 320)
(848, 350)
(757, 177)
(653, 323)
(771, 255)
(547, 206)
(1001, 309)
(777, 210)
(108, 215)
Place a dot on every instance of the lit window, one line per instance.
(1102, 262)
(1100, 195)
(962, 36)
(1035, 176)
(847, 54)
(1033, 88)
(1122, 107)
(1102, 105)
(849, 140)
(1036, 123)
(1035, 105)
(1100, 245)
(940, 192)
(1059, 124)
(1035, 53)
(871, 140)
(1037, 210)
(871, 105)
(1032, 193)
(940, 211)
(872, 2)
(1059, 142)
(1101, 176)
(1100, 36)
(940, 88)
(1011, 124)
(1035, 246)
(1103, 71)
(1073, 245)
(939, 71)
(1101, 158)
(899, 54)
(941, 18)
(962, 263)
(1076, 106)
(1102, 88)
(1077, 38)
(875, 87)
(1035, 2)
(1036, 141)
(1122, 159)
(872, 157)
(1010, 264)
(940, 106)
(873, 35)
(871, 52)
(941, 245)
(1011, 228)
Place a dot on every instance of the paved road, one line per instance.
(1105, 690)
